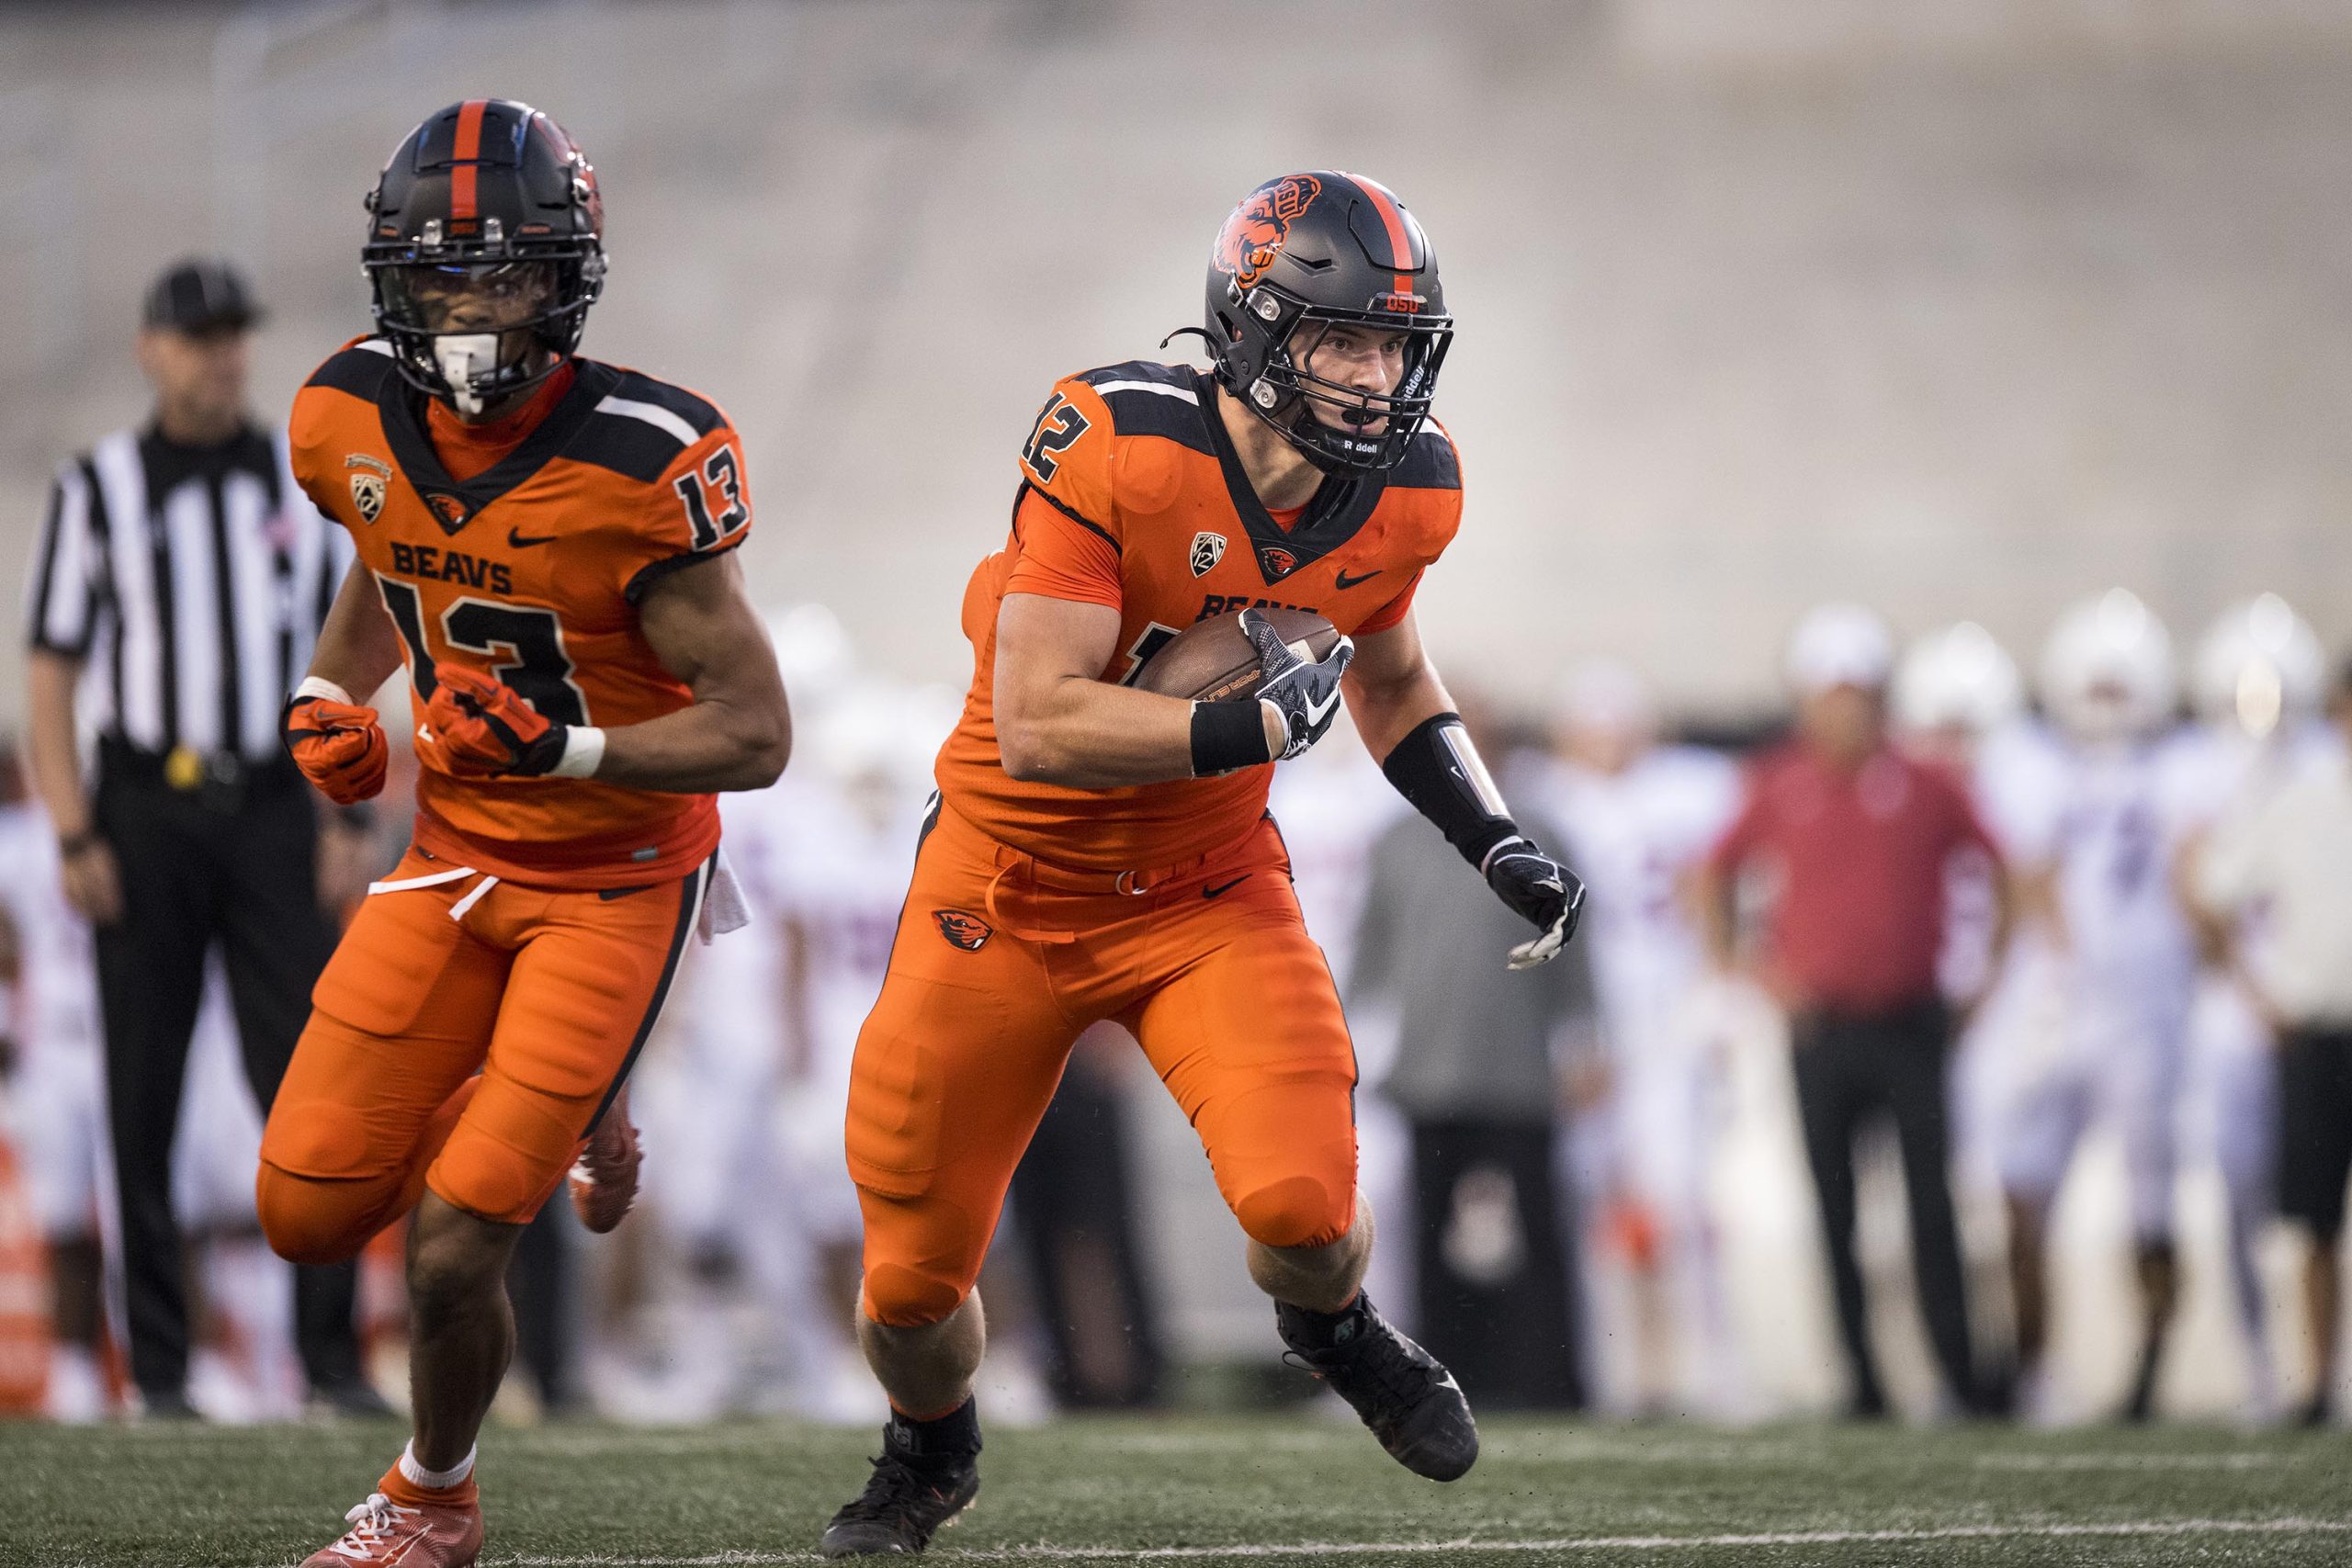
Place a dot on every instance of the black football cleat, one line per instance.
(929, 1473)
(1410, 1402)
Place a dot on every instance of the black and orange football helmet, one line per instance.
(1302, 253)
(484, 250)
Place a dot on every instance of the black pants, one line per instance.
(542, 1285)
(236, 867)
(2315, 1128)
(1497, 1302)
(1074, 1221)
(1851, 1070)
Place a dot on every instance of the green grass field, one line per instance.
(1226, 1491)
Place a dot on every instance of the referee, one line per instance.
(180, 561)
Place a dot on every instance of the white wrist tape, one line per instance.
(584, 749)
(320, 686)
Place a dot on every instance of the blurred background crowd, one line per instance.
(2056, 1179)
(1904, 491)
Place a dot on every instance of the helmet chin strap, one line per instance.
(462, 356)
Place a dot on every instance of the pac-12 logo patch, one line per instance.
(369, 476)
(968, 932)
(1207, 551)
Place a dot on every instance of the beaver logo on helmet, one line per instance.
(1253, 237)
(1305, 255)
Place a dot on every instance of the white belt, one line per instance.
(434, 879)
(723, 908)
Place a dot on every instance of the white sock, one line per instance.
(426, 1480)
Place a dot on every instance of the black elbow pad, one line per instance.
(1440, 771)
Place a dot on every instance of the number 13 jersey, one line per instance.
(532, 571)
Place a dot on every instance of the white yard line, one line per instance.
(2120, 1528)
(2149, 1461)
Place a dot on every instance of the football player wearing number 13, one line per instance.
(545, 541)
(1102, 851)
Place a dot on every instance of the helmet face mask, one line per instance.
(1304, 256)
(485, 329)
(1336, 426)
(484, 252)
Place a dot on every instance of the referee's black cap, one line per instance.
(200, 294)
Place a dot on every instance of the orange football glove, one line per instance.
(340, 748)
(478, 727)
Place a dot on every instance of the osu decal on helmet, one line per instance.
(1304, 254)
(485, 249)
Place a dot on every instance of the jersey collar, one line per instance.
(1340, 505)
(454, 504)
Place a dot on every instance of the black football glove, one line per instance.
(1540, 889)
(1306, 694)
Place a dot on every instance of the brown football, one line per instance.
(1215, 659)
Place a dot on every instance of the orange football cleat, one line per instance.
(603, 1179)
(384, 1533)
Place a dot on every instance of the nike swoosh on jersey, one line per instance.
(1222, 888)
(517, 539)
(1345, 581)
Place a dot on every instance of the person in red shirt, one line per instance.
(1857, 841)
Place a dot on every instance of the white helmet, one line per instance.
(2107, 672)
(2258, 667)
(878, 732)
(812, 648)
(1608, 695)
(1838, 645)
(1957, 679)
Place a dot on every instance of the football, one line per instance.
(1213, 659)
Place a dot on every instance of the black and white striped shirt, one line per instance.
(195, 579)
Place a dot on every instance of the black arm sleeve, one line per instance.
(1439, 771)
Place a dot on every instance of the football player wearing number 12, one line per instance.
(545, 541)
(1102, 851)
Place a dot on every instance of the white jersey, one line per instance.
(2117, 826)
(2096, 1029)
(842, 893)
(1632, 837)
(57, 1103)
(57, 998)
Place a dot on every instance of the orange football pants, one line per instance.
(1001, 960)
(465, 1038)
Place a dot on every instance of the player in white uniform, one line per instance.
(1958, 703)
(2256, 680)
(1638, 815)
(747, 1101)
(57, 1101)
(58, 1119)
(2127, 960)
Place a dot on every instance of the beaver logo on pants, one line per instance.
(967, 932)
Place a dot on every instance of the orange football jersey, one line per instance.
(531, 572)
(1132, 496)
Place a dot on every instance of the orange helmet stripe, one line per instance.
(463, 157)
(1400, 241)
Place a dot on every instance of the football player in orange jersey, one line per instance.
(545, 541)
(1101, 852)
